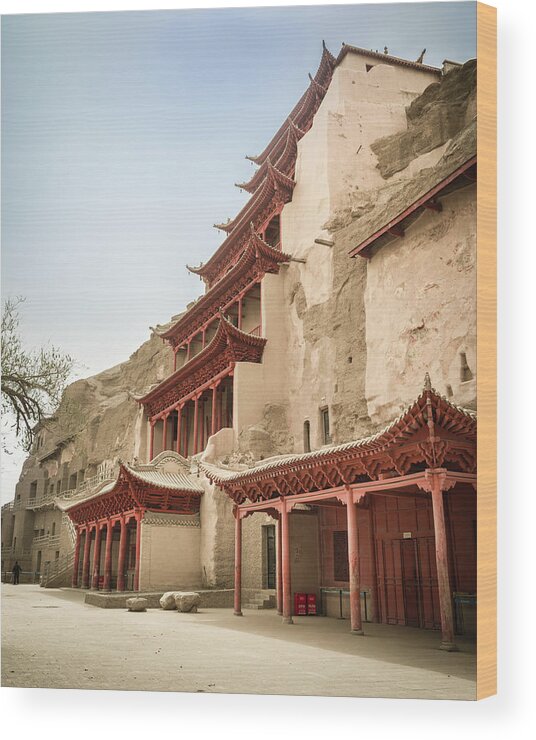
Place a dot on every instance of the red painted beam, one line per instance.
(419, 203)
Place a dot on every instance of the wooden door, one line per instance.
(270, 556)
(410, 583)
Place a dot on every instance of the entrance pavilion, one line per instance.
(109, 533)
(406, 499)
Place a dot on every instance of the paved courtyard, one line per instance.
(50, 638)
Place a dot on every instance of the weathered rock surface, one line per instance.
(187, 601)
(168, 600)
(433, 118)
(137, 604)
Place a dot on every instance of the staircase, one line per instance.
(265, 599)
(66, 522)
(58, 572)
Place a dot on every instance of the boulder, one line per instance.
(167, 601)
(187, 601)
(137, 604)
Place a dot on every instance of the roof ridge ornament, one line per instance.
(427, 383)
(195, 270)
(421, 57)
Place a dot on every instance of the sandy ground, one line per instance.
(50, 638)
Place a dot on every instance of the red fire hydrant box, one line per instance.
(300, 604)
(311, 604)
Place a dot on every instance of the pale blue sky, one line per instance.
(122, 136)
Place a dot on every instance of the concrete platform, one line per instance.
(51, 638)
(216, 598)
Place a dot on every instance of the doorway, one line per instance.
(407, 582)
(269, 556)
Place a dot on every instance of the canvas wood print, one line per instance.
(283, 470)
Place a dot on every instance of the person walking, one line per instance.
(16, 573)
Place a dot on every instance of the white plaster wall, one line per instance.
(169, 557)
(252, 560)
(334, 160)
(217, 537)
(420, 303)
(258, 384)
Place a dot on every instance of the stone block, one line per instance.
(187, 601)
(137, 604)
(168, 600)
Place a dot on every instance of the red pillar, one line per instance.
(196, 424)
(185, 446)
(214, 404)
(76, 560)
(219, 419)
(238, 566)
(85, 561)
(122, 555)
(443, 579)
(203, 423)
(108, 557)
(151, 440)
(375, 612)
(164, 433)
(96, 558)
(353, 563)
(240, 312)
(285, 553)
(279, 571)
(188, 351)
(179, 419)
(138, 550)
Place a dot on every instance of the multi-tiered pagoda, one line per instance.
(225, 326)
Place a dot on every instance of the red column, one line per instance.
(375, 612)
(219, 420)
(238, 566)
(214, 404)
(196, 424)
(188, 351)
(353, 563)
(240, 312)
(179, 419)
(203, 423)
(186, 429)
(279, 571)
(76, 560)
(443, 579)
(138, 550)
(285, 553)
(204, 336)
(108, 557)
(151, 440)
(164, 433)
(85, 561)
(122, 555)
(96, 558)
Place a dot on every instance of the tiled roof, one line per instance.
(379, 439)
(171, 481)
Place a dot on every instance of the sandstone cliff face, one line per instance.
(97, 423)
(419, 291)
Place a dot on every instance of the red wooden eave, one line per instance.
(431, 432)
(228, 346)
(395, 227)
(257, 259)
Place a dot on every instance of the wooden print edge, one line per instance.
(487, 351)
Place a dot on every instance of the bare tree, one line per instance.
(32, 380)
